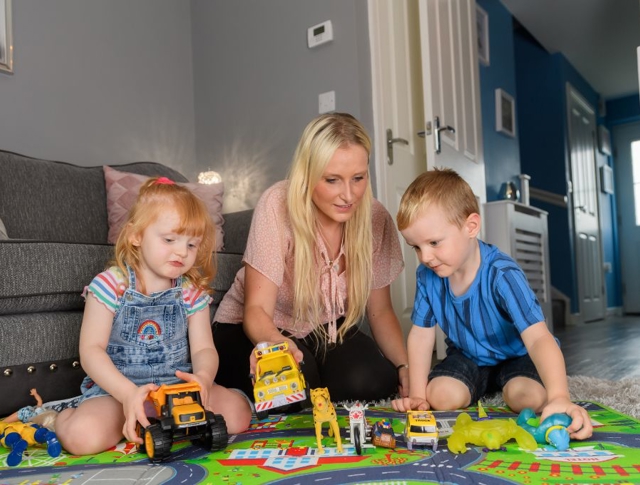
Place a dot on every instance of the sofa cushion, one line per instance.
(228, 266)
(236, 230)
(39, 276)
(58, 201)
(122, 191)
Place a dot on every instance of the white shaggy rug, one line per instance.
(623, 395)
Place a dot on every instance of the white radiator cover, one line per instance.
(521, 231)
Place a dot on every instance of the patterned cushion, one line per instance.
(122, 191)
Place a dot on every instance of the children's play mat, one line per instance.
(282, 450)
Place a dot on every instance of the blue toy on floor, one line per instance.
(552, 431)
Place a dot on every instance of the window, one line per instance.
(635, 164)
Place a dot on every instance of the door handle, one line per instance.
(426, 132)
(390, 141)
(438, 129)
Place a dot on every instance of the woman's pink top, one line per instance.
(270, 251)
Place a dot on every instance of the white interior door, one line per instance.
(424, 64)
(398, 106)
(582, 146)
(452, 89)
(627, 190)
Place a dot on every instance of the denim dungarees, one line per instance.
(148, 340)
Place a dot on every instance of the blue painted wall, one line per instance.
(543, 149)
(501, 152)
(537, 80)
(623, 110)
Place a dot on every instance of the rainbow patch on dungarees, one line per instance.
(149, 330)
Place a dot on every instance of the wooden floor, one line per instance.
(609, 349)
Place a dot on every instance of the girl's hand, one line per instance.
(580, 427)
(410, 404)
(134, 413)
(293, 349)
(198, 379)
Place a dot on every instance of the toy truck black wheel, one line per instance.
(140, 434)
(356, 439)
(157, 443)
(216, 436)
(262, 415)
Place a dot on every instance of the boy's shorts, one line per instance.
(483, 380)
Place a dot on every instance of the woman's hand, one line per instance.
(134, 413)
(293, 349)
(403, 381)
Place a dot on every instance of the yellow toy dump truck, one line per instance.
(279, 381)
(180, 416)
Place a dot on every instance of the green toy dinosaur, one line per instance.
(490, 433)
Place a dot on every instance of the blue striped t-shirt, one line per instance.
(485, 322)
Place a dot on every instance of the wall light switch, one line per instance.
(327, 102)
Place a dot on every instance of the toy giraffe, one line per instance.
(324, 412)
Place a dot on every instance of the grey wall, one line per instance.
(102, 81)
(221, 84)
(257, 83)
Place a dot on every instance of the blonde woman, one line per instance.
(321, 255)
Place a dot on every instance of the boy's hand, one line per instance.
(410, 404)
(133, 407)
(580, 427)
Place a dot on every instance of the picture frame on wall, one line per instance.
(604, 140)
(482, 28)
(505, 113)
(606, 179)
(6, 37)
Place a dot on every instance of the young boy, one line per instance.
(480, 297)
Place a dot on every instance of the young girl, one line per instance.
(146, 323)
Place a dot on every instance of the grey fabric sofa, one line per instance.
(56, 218)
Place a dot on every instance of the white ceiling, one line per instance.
(598, 37)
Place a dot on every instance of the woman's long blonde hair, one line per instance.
(157, 196)
(319, 141)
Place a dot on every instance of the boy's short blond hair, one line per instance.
(442, 187)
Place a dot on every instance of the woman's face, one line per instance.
(342, 185)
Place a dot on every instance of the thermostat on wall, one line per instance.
(319, 34)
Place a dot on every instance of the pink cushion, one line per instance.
(122, 191)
